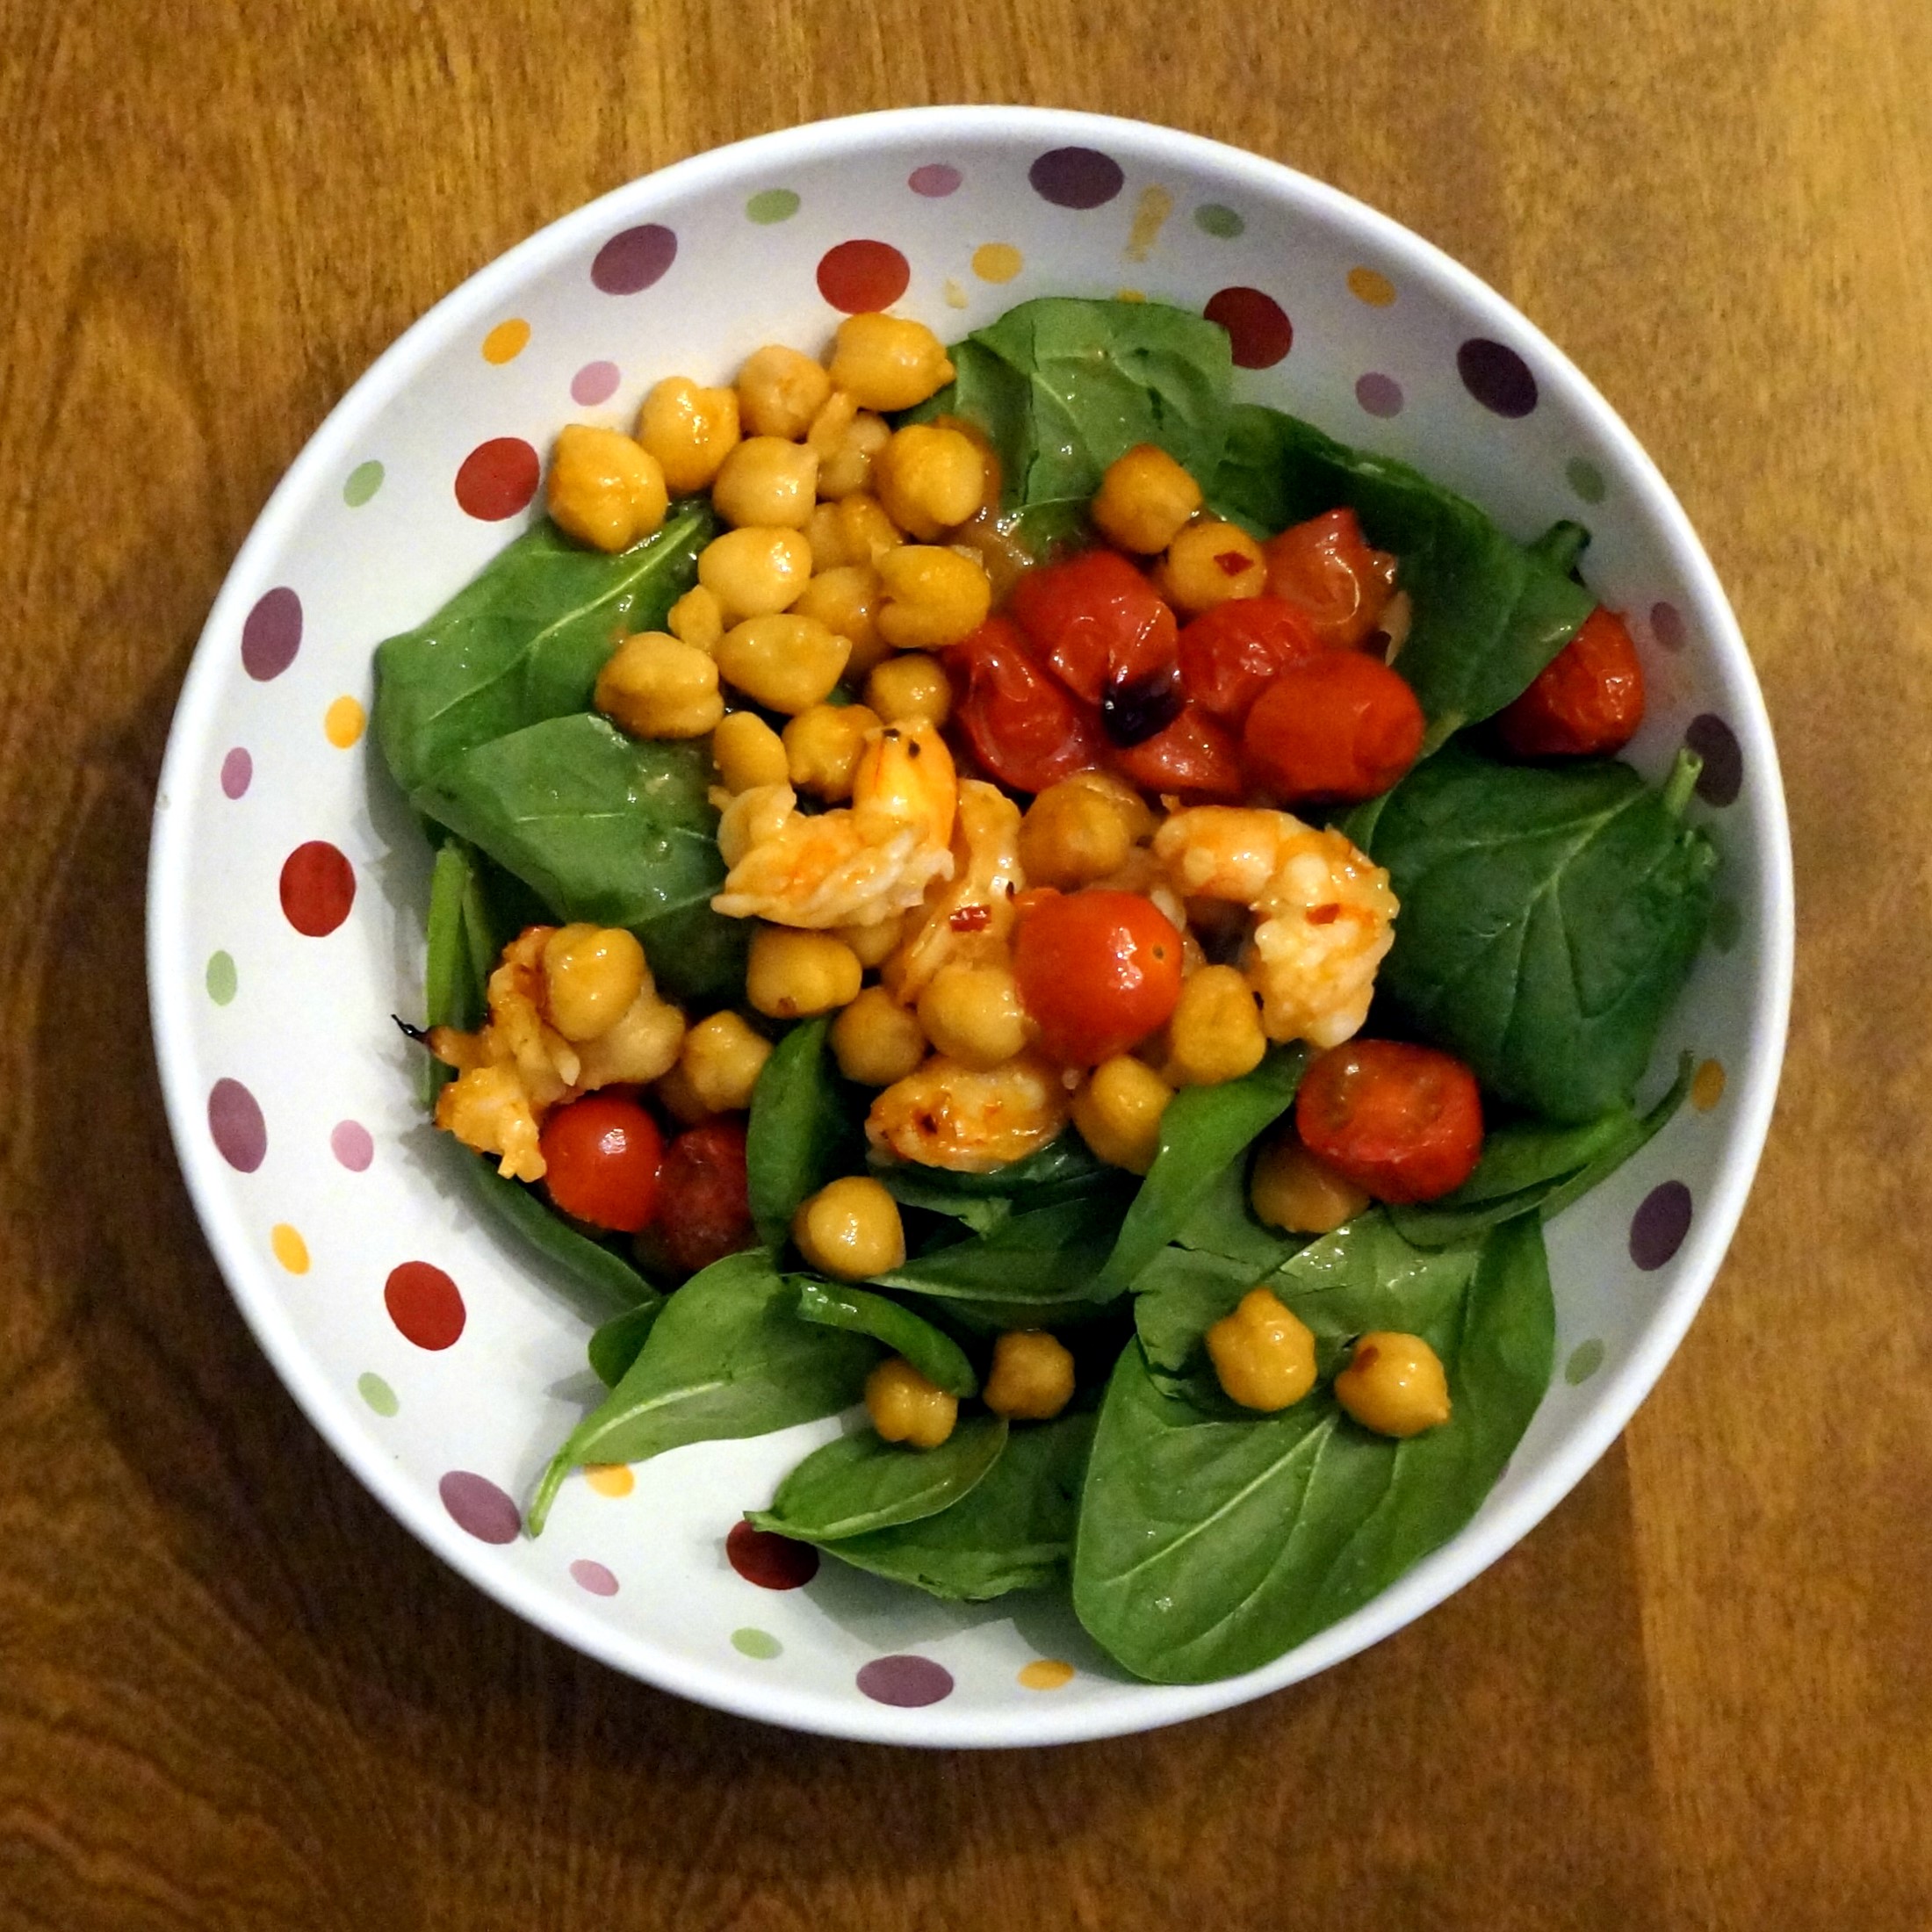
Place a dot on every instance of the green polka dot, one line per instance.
(1727, 924)
(1212, 218)
(363, 482)
(756, 1643)
(221, 978)
(1586, 479)
(377, 1394)
(1585, 1360)
(770, 204)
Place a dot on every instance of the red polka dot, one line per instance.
(425, 1306)
(859, 277)
(318, 888)
(772, 1562)
(1256, 324)
(498, 479)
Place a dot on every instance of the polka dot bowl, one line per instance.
(289, 881)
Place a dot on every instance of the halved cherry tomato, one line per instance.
(1588, 699)
(1325, 568)
(1108, 636)
(1403, 1122)
(1231, 655)
(1195, 756)
(1340, 726)
(603, 1154)
(1098, 971)
(1021, 726)
(703, 1204)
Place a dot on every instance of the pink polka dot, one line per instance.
(1379, 395)
(935, 180)
(318, 887)
(1257, 325)
(1667, 625)
(353, 1145)
(272, 634)
(629, 262)
(478, 1506)
(237, 769)
(425, 1306)
(594, 1577)
(235, 1125)
(595, 383)
(1076, 177)
(497, 478)
(860, 277)
(910, 1683)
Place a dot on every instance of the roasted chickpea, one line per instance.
(1208, 563)
(690, 430)
(591, 974)
(787, 663)
(679, 1097)
(973, 1014)
(876, 1041)
(930, 479)
(1080, 830)
(906, 1407)
(697, 618)
(604, 489)
(754, 572)
(910, 688)
(1118, 1111)
(853, 530)
(850, 1230)
(888, 363)
(846, 464)
(1395, 1385)
(780, 391)
(1144, 500)
(1264, 1354)
(823, 747)
(766, 480)
(1214, 1033)
(721, 1058)
(930, 597)
(876, 942)
(1290, 1189)
(822, 532)
(1031, 1378)
(843, 599)
(793, 975)
(656, 687)
(643, 1043)
(747, 752)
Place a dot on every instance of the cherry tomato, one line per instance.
(703, 1206)
(1108, 636)
(1403, 1122)
(1339, 727)
(1229, 655)
(1325, 568)
(1589, 698)
(1021, 726)
(602, 1154)
(1195, 756)
(1097, 970)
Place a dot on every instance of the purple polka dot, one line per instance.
(594, 1577)
(1715, 741)
(1076, 177)
(1667, 625)
(907, 1682)
(272, 634)
(353, 1145)
(476, 1506)
(629, 262)
(1660, 1224)
(1380, 395)
(595, 383)
(1496, 376)
(234, 1121)
(237, 769)
(935, 180)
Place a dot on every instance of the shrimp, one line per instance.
(1324, 911)
(943, 1115)
(855, 865)
(967, 918)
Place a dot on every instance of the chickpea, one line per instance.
(876, 1041)
(1214, 1033)
(1080, 830)
(843, 599)
(888, 363)
(604, 490)
(910, 688)
(931, 597)
(1264, 1354)
(643, 1043)
(793, 975)
(1291, 1190)
(929, 479)
(865, 533)
(690, 430)
(766, 480)
(747, 752)
(822, 532)
(780, 391)
(1209, 563)
(1395, 1385)
(875, 943)
(1144, 500)
(846, 465)
(787, 663)
(656, 687)
(1118, 1111)
(681, 1099)
(1032, 1376)
(906, 1407)
(697, 618)
(850, 1230)
(823, 747)
(973, 1014)
(754, 572)
(722, 1059)
(591, 974)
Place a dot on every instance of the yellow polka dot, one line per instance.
(1045, 1674)
(1707, 1086)
(506, 341)
(997, 262)
(1156, 205)
(1129, 295)
(1367, 285)
(611, 1478)
(342, 722)
(290, 1249)
(955, 295)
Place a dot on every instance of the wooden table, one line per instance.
(234, 1694)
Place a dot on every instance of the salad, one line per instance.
(1089, 923)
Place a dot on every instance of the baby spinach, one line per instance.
(802, 1122)
(861, 1482)
(727, 1358)
(1550, 915)
(521, 1208)
(1181, 1293)
(620, 1341)
(1042, 1259)
(934, 1354)
(1366, 1276)
(1225, 1224)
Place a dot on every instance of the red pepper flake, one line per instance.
(1323, 915)
(971, 918)
(1234, 562)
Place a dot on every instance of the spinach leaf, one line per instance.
(1181, 1293)
(525, 640)
(1044, 1259)
(1366, 1276)
(861, 1482)
(448, 993)
(1062, 1166)
(1012, 1530)
(934, 1354)
(727, 1358)
(521, 1208)
(911, 1188)
(606, 828)
(1550, 917)
(1204, 1130)
(802, 1119)
(1225, 1224)
(620, 1341)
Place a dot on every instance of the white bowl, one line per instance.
(292, 1097)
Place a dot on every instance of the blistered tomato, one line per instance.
(1588, 699)
(1022, 727)
(1339, 727)
(1097, 971)
(703, 1203)
(1195, 757)
(1108, 636)
(1231, 655)
(602, 1155)
(1326, 569)
(1404, 1122)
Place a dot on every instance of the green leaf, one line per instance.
(1366, 1276)
(522, 1208)
(1181, 1293)
(935, 1355)
(1063, 1166)
(861, 1483)
(802, 1119)
(620, 1341)
(1042, 1259)
(1225, 1224)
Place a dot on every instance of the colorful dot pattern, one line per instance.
(425, 1304)
(272, 634)
(772, 205)
(997, 262)
(772, 1562)
(506, 341)
(221, 979)
(498, 479)
(317, 887)
(377, 1393)
(1211, 217)
(362, 483)
(595, 382)
(237, 773)
(1584, 1360)
(1045, 1674)
(638, 259)
(342, 722)
(758, 1644)
(611, 1479)
(910, 1683)
(289, 1247)
(1257, 325)
(863, 276)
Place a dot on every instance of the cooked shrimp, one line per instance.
(944, 1114)
(967, 918)
(854, 865)
(1323, 912)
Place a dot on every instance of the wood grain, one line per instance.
(233, 1694)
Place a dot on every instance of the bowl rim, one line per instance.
(1137, 1707)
